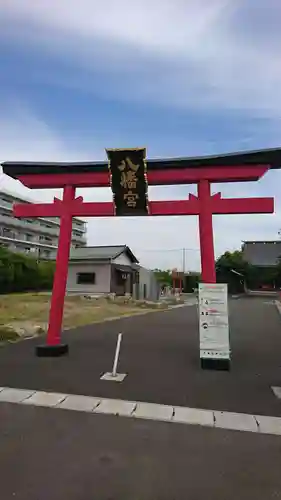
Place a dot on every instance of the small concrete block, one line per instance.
(269, 425)
(79, 403)
(153, 411)
(193, 416)
(235, 421)
(1, 389)
(10, 395)
(277, 391)
(119, 377)
(45, 399)
(116, 407)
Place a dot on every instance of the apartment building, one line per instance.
(37, 237)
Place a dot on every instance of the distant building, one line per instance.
(37, 237)
(262, 253)
(109, 269)
(147, 287)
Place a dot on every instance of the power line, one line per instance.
(170, 250)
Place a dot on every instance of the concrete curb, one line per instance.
(140, 410)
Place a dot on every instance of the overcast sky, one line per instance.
(181, 77)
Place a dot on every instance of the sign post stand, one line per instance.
(213, 326)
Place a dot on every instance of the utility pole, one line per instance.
(183, 260)
(183, 269)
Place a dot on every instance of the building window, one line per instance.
(8, 233)
(3, 198)
(86, 278)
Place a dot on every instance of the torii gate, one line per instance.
(203, 171)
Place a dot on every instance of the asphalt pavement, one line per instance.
(63, 455)
(57, 454)
(160, 354)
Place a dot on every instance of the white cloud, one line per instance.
(196, 48)
(189, 54)
(25, 137)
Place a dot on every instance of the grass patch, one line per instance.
(34, 307)
(7, 333)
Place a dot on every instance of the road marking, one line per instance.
(277, 391)
(278, 306)
(150, 411)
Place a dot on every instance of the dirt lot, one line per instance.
(24, 311)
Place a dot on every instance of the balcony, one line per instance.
(28, 226)
(79, 238)
(5, 204)
(77, 226)
(25, 227)
(20, 241)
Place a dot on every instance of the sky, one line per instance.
(181, 77)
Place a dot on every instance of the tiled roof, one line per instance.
(101, 253)
(262, 253)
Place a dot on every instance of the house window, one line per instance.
(86, 278)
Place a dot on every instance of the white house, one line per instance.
(109, 269)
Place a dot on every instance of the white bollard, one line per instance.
(116, 357)
(114, 376)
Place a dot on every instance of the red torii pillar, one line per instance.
(204, 205)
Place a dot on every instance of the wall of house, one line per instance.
(122, 259)
(148, 287)
(102, 282)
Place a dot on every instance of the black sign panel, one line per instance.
(128, 181)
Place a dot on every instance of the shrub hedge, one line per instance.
(21, 273)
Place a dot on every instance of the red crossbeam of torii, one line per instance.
(205, 205)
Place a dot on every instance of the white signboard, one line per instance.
(213, 321)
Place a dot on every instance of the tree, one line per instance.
(233, 269)
(163, 277)
(20, 273)
(229, 262)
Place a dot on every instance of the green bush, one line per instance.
(21, 273)
(7, 333)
